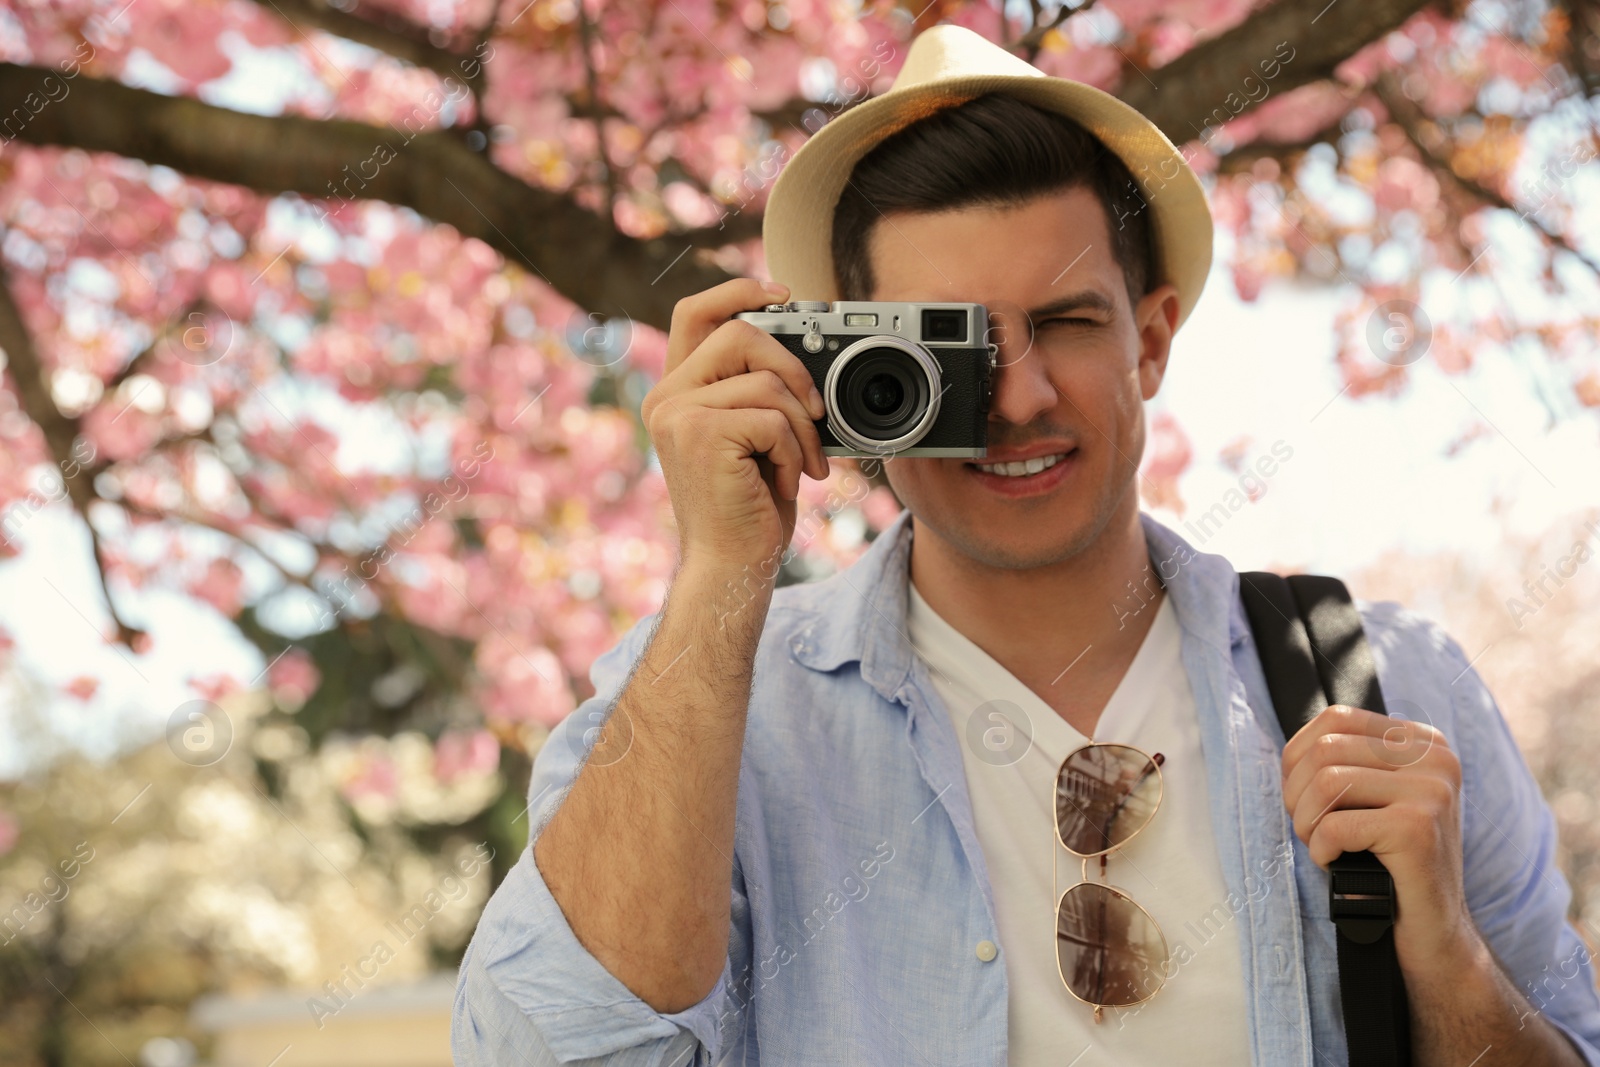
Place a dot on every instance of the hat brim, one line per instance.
(797, 228)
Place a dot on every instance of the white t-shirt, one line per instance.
(1170, 868)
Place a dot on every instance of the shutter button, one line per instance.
(987, 951)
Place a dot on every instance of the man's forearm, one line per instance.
(639, 855)
(1467, 1011)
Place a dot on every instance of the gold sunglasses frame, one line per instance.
(1084, 858)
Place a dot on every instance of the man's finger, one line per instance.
(697, 315)
(1342, 787)
(1333, 719)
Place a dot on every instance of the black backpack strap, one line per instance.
(1344, 662)
(1287, 660)
(1314, 653)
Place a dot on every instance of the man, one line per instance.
(814, 828)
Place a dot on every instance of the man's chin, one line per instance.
(1010, 546)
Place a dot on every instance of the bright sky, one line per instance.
(1370, 474)
(1365, 476)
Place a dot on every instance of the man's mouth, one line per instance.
(1022, 468)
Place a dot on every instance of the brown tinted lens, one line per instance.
(1104, 795)
(1110, 950)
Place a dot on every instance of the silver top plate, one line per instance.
(897, 318)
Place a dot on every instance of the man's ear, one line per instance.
(1155, 318)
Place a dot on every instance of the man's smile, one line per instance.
(1038, 473)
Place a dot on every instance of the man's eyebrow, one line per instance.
(1088, 298)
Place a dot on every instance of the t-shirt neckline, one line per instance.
(955, 654)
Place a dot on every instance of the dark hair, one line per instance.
(994, 150)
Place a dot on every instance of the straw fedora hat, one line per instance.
(948, 65)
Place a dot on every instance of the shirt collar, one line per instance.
(859, 612)
(1203, 585)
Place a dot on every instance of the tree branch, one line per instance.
(595, 107)
(147, 355)
(60, 434)
(577, 252)
(1582, 55)
(1247, 155)
(1191, 89)
(791, 113)
(33, 392)
(1410, 118)
(387, 32)
(478, 82)
(183, 516)
(1029, 43)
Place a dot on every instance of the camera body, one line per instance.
(897, 378)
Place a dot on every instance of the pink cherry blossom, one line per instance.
(214, 687)
(459, 753)
(1169, 456)
(293, 676)
(221, 585)
(880, 507)
(375, 393)
(82, 688)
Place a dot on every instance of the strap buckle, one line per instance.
(1361, 899)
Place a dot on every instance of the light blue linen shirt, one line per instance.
(860, 893)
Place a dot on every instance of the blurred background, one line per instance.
(325, 325)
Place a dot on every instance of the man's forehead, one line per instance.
(1031, 255)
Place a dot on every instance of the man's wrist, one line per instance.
(1464, 1004)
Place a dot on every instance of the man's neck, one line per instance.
(1068, 630)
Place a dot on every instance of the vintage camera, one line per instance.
(897, 378)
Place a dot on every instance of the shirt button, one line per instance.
(987, 951)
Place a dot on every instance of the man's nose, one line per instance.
(1021, 389)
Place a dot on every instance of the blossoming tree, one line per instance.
(335, 314)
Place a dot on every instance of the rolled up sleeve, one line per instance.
(1515, 889)
(528, 992)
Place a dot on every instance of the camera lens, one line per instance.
(944, 325)
(882, 394)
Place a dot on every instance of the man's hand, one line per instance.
(1355, 780)
(733, 421)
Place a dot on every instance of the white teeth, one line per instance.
(1017, 470)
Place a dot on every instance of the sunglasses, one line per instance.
(1108, 948)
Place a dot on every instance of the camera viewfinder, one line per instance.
(944, 325)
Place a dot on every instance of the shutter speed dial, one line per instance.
(798, 305)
